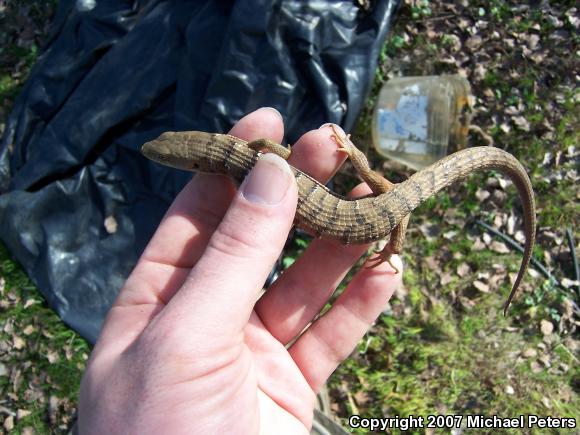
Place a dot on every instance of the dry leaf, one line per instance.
(29, 330)
(29, 303)
(481, 286)
(463, 270)
(486, 238)
(482, 194)
(450, 235)
(53, 405)
(533, 42)
(521, 123)
(545, 359)
(478, 245)
(546, 327)
(18, 342)
(511, 224)
(111, 224)
(430, 230)
(499, 247)
(569, 283)
(535, 367)
(446, 278)
(52, 357)
(546, 402)
(473, 43)
(9, 423)
(3, 369)
(21, 413)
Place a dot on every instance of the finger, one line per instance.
(304, 288)
(219, 293)
(331, 339)
(182, 237)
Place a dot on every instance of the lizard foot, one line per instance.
(343, 142)
(381, 257)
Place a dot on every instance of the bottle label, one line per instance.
(404, 127)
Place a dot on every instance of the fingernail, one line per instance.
(273, 110)
(268, 181)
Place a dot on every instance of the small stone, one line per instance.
(530, 353)
(546, 402)
(509, 390)
(3, 369)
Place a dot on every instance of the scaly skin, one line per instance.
(329, 215)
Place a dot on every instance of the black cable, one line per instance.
(518, 247)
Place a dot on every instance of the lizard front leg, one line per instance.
(271, 146)
(378, 185)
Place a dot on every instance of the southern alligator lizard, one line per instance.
(332, 216)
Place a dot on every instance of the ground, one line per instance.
(442, 346)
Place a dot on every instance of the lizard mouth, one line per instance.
(151, 151)
(158, 149)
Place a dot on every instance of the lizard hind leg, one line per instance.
(378, 185)
(394, 246)
(382, 257)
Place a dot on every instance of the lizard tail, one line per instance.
(456, 167)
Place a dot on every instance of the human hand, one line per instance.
(187, 349)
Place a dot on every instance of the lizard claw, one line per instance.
(343, 141)
(380, 258)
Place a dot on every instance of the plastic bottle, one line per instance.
(418, 120)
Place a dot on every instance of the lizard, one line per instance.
(351, 221)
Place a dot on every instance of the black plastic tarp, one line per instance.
(78, 201)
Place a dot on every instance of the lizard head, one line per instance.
(169, 149)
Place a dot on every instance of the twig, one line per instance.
(440, 17)
(486, 137)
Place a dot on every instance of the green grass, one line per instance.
(51, 359)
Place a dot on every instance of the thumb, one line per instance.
(221, 290)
